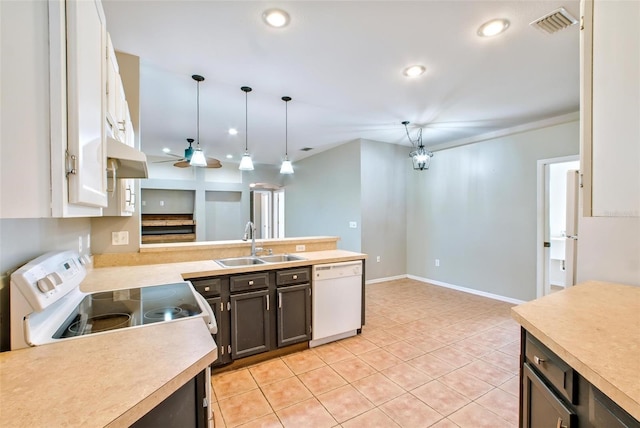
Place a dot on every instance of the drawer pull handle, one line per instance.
(207, 288)
(560, 424)
(295, 276)
(250, 282)
(539, 361)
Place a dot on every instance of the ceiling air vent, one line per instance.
(555, 21)
(306, 149)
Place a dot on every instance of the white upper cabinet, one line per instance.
(86, 79)
(610, 104)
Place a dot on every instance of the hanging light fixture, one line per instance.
(246, 164)
(286, 167)
(197, 158)
(420, 156)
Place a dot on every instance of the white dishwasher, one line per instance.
(336, 294)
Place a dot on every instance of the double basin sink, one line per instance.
(251, 260)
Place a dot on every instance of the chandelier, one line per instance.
(420, 157)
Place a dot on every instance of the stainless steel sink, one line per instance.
(240, 261)
(279, 258)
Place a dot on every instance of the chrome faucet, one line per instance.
(250, 227)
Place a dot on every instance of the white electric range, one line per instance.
(47, 305)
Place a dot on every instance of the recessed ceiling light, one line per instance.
(277, 18)
(414, 70)
(166, 150)
(233, 131)
(229, 156)
(493, 27)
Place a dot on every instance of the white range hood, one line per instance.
(129, 162)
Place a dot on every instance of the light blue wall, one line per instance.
(476, 210)
(324, 195)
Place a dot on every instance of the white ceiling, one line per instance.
(341, 62)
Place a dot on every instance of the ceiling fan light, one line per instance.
(197, 158)
(246, 164)
(287, 167)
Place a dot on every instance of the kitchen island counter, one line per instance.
(595, 328)
(109, 379)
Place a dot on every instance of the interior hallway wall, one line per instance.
(475, 210)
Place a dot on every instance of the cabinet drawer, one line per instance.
(208, 287)
(542, 408)
(249, 282)
(556, 371)
(293, 276)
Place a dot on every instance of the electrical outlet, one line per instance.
(301, 247)
(378, 259)
(162, 203)
(120, 238)
(144, 203)
(437, 262)
(79, 244)
(353, 224)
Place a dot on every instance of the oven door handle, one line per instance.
(210, 318)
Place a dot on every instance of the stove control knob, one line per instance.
(49, 282)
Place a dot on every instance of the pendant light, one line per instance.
(197, 158)
(246, 164)
(286, 167)
(420, 156)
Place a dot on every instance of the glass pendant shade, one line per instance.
(286, 167)
(246, 164)
(197, 158)
(421, 158)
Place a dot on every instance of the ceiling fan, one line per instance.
(184, 162)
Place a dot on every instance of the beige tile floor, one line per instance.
(427, 357)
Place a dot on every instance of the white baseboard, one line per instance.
(467, 290)
(389, 278)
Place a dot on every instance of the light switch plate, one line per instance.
(353, 224)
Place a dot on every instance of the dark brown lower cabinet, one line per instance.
(250, 326)
(542, 408)
(555, 395)
(294, 314)
(220, 308)
(185, 408)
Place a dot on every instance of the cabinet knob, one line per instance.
(539, 361)
(295, 276)
(207, 288)
(250, 282)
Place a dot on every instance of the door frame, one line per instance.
(541, 213)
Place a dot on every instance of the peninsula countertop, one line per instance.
(108, 278)
(595, 328)
(114, 379)
(109, 379)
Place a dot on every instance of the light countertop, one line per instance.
(109, 379)
(108, 278)
(595, 328)
(115, 378)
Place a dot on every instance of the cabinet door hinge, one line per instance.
(580, 183)
(222, 349)
(221, 306)
(70, 160)
(204, 402)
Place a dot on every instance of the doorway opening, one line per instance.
(267, 212)
(557, 223)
